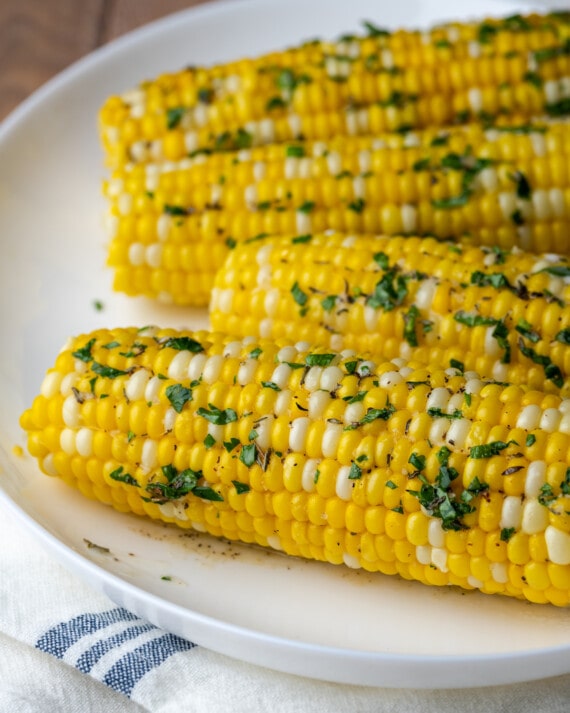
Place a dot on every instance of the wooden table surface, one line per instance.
(39, 38)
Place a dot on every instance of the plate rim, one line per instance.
(538, 659)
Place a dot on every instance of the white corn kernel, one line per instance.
(84, 442)
(318, 401)
(535, 477)
(331, 437)
(439, 558)
(331, 377)
(343, 483)
(67, 441)
(309, 474)
(136, 384)
(196, 365)
(557, 545)
(550, 420)
(298, 433)
(511, 512)
(50, 384)
(70, 412)
(534, 517)
(529, 417)
(436, 534)
(149, 455)
(423, 554)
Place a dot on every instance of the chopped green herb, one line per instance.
(533, 78)
(360, 396)
(525, 328)
(559, 108)
(294, 151)
(375, 31)
(301, 239)
(389, 292)
(357, 205)
(486, 33)
(231, 242)
(329, 302)
(517, 217)
(488, 450)
(422, 164)
(530, 440)
(275, 103)
(176, 210)
(474, 320)
(107, 371)
(306, 207)
(563, 336)
(120, 475)
(557, 270)
(174, 116)
(546, 495)
(501, 333)
(410, 319)
(493, 279)
(217, 416)
(207, 493)
(209, 441)
(455, 364)
(418, 461)
(178, 484)
(84, 352)
(507, 533)
(231, 444)
(522, 184)
(355, 472)
(390, 484)
(299, 296)
(372, 414)
(382, 260)
(441, 140)
(551, 371)
(254, 353)
(241, 487)
(271, 385)
(319, 359)
(248, 454)
(178, 395)
(182, 344)
(438, 413)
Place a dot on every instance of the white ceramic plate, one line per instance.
(305, 618)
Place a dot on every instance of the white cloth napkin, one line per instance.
(67, 649)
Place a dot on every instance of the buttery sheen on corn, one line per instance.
(430, 473)
(171, 224)
(361, 84)
(502, 313)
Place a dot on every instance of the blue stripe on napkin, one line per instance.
(125, 672)
(129, 670)
(58, 639)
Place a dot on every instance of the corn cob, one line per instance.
(362, 85)
(513, 188)
(199, 174)
(504, 314)
(393, 467)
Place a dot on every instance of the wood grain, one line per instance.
(39, 38)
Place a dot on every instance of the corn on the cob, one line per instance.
(360, 85)
(198, 178)
(504, 314)
(170, 229)
(394, 467)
